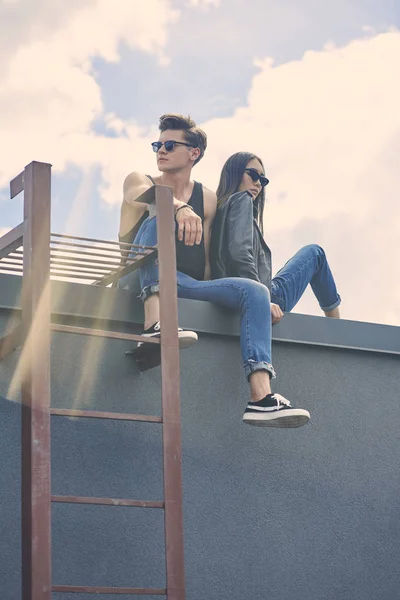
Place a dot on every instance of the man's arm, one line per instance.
(135, 185)
(210, 209)
(190, 227)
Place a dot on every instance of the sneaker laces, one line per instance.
(281, 400)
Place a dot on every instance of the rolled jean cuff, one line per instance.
(251, 366)
(149, 290)
(332, 306)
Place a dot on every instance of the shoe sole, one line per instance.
(186, 339)
(296, 418)
(148, 356)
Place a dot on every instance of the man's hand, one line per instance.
(276, 313)
(190, 227)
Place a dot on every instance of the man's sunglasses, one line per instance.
(169, 145)
(255, 176)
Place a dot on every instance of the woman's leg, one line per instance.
(308, 266)
(251, 300)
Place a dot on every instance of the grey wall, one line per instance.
(307, 514)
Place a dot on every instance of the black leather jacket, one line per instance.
(238, 248)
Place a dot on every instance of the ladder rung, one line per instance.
(96, 414)
(109, 590)
(107, 501)
(102, 333)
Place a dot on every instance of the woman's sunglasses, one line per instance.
(169, 145)
(255, 176)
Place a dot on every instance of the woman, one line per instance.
(238, 248)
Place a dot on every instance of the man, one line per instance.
(180, 146)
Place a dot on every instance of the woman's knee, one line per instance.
(316, 248)
(256, 290)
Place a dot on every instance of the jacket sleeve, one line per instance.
(240, 233)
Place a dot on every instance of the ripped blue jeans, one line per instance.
(248, 297)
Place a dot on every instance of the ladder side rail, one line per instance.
(35, 383)
(170, 382)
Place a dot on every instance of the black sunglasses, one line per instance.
(169, 145)
(255, 176)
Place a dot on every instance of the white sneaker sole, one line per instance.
(185, 339)
(296, 417)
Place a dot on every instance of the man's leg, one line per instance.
(308, 266)
(151, 307)
(148, 356)
(147, 236)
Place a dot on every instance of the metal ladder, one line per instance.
(34, 334)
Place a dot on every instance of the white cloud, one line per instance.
(328, 130)
(203, 3)
(49, 94)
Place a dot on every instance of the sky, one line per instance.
(310, 86)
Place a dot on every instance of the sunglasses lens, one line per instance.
(254, 175)
(156, 146)
(169, 146)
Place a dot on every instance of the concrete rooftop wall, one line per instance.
(307, 514)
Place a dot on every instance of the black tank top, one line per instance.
(190, 260)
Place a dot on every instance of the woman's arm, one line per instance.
(240, 236)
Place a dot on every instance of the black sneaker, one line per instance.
(185, 338)
(148, 356)
(275, 411)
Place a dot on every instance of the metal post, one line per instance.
(35, 369)
(172, 447)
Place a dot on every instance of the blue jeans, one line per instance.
(307, 266)
(250, 298)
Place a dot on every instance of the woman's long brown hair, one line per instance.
(229, 182)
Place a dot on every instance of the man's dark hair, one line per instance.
(193, 134)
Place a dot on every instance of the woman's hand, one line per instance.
(276, 313)
(190, 227)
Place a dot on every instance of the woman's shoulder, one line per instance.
(242, 198)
